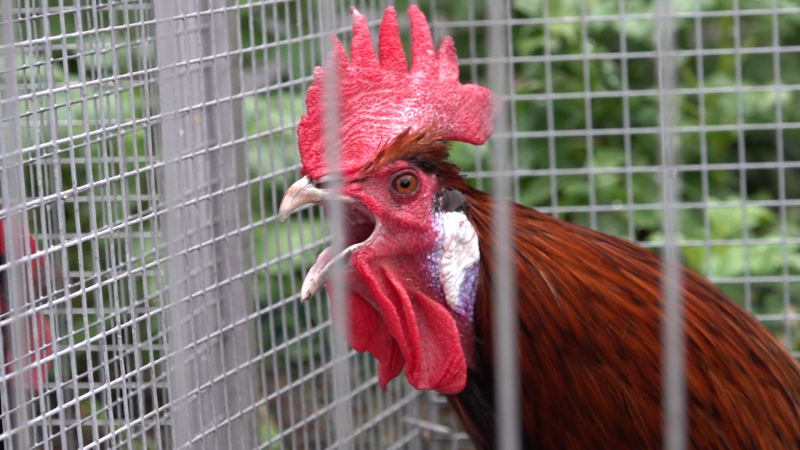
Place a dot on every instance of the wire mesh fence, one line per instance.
(147, 145)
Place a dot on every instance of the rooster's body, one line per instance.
(590, 354)
(419, 247)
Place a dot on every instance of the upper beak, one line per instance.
(302, 192)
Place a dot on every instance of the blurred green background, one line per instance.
(92, 149)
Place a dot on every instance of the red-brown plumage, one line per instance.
(590, 353)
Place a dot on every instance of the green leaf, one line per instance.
(527, 8)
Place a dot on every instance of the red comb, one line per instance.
(379, 100)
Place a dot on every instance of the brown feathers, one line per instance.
(590, 357)
(590, 311)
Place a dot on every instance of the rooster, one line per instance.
(39, 338)
(419, 266)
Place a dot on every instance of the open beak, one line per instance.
(360, 227)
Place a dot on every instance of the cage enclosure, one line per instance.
(146, 147)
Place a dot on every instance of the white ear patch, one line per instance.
(460, 252)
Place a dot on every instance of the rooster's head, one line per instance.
(411, 254)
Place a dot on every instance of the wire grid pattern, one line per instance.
(154, 140)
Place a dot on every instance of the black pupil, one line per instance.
(405, 183)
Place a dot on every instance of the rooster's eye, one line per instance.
(405, 184)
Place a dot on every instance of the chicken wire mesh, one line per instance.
(147, 144)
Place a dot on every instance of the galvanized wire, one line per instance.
(147, 144)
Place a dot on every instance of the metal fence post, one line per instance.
(12, 188)
(672, 334)
(208, 339)
(230, 205)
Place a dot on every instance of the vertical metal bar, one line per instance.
(433, 415)
(230, 204)
(87, 56)
(432, 398)
(12, 187)
(741, 151)
(95, 194)
(173, 80)
(587, 115)
(672, 333)
(550, 110)
(781, 159)
(343, 420)
(626, 120)
(503, 278)
(701, 108)
(202, 170)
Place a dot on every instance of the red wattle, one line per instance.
(369, 334)
(406, 328)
